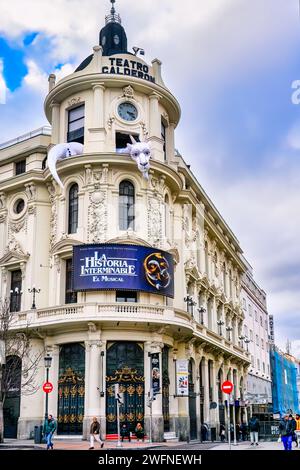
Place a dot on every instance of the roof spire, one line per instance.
(113, 17)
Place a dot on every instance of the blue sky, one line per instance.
(231, 64)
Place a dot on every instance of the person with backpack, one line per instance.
(254, 430)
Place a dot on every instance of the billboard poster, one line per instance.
(182, 377)
(123, 267)
(155, 373)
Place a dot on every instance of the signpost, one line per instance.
(47, 387)
(227, 388)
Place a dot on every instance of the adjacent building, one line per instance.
(176, 329)
(256, 337)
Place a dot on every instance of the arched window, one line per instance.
(126, 205)
(73, 209)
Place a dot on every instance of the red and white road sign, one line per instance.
(47, 387)
(227, 387)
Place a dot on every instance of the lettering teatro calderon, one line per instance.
(139, 278)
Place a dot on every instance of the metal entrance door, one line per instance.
(125, 366)
(71, 389)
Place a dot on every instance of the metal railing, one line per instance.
(45, 130)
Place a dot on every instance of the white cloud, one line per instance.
(36, 79)
(3, 87)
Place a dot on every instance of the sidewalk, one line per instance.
(79, 444)
(266, 445)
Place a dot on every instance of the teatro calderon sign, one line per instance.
(131, 68)
(123, 267)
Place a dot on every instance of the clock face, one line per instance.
(127, 111)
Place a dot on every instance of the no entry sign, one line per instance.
(47, 387)
(227, 387)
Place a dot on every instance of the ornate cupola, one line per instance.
(112, 37)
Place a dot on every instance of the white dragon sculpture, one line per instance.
(140, 152)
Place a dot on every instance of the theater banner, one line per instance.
(123, 267)
(182, 377)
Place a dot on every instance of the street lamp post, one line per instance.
(220, 323)
(241, 338)
(190, 304)
(34, 291)
(201, 310)
(247, 341)
(229, 329)
(47, 361)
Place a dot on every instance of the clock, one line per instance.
(127, 111)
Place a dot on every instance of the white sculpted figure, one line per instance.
(59, 152)
(140, 152)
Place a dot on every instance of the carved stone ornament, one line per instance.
(30, 191)
(74, 101)
(2, 200)
(53, 217)
(128, 92)
(97, 217)
(145, 130)
(110, 121)
(16, 227)
(4, 274)
(14, 246)
(154, 221)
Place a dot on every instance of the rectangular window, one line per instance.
(246, 330)
(71, 296)
(258, 364)
(257, 340)
(244, 304)
(15, 290)
(124, 296)
(76, 125)
(266, 324)
(268, 369)
(261, 321)
(251, 335)
(264, 367)
(255, 313)
(262, 344)
(20, 167)
(250, 310)
(122, 139)
(252, 360)
(163, 138)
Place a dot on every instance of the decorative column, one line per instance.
(170, 144)
(214, 412)
(155, 128)
(98, 106)
(157, 417)
(55, 122)
(206, 391)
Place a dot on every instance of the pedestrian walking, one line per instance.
(254, 430)
(95, 433)
(244, 431)
(297, 431)
(286, 432)
(222, 432)
(48, 431)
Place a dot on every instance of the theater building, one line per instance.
(152, 300)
